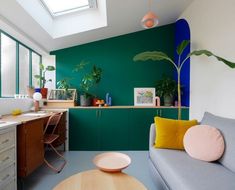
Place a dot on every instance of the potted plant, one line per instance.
(42, 79)
(166, 88)
(88, 81)
(64, 84)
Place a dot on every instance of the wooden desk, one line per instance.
(30, 147)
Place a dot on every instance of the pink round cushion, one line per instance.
(204, 142)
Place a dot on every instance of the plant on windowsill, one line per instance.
(166, 88)
(42, 79)
(88, 81)
(159, 56)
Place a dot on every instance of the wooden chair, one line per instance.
(50, 137)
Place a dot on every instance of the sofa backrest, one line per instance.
(227, 128)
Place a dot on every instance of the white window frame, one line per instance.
(92, 4)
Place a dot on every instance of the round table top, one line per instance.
(99, 180)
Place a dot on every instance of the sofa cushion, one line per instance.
(204, 142)
(227, 128)
(181, 172)
(170, 132)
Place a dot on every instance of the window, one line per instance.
(61, 7)
(23, 69)
(18, 65)
(8, 66)
(35, 68)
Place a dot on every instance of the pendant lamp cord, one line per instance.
(150, 3)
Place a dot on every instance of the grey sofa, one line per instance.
(176, 170)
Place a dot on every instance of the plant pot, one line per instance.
(44, 92)
(85, 100)
(94, 100)
(168, 100)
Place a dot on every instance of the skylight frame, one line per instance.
(91, 4)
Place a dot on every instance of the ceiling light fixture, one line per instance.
(150, 20)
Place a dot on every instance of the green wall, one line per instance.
(114, 56)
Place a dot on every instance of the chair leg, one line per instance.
(58, 170)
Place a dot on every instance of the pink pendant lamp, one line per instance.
(150, 20)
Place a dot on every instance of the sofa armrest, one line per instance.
(152, 135)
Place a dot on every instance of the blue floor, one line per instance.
(78, 161)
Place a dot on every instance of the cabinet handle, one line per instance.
(157, 112)
(7, 140)
(5, 177)
(160, 112)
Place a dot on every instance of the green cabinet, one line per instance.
(139, 124)
(114, 128)
(83, 129)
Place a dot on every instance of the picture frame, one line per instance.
(144, 97)
(62, 94)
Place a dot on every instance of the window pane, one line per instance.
(64, 5)
(35, 68)
(23, 69)
(8, 66)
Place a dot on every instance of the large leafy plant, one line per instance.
(160, 56)
(89, 79)
(41, 78)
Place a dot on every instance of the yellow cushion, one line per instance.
(170, 132)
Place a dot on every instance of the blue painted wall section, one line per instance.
(182, 32)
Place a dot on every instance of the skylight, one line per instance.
(60, 7)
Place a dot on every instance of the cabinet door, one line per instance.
(173, 113)
(30, 148)
(141, 119)
(114, 129)
(83, 129)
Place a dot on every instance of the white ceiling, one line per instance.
(122, 17)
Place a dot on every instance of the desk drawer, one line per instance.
(7, 139)
(7, 157)
(7, 174)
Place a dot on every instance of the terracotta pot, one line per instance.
(44, 92)
(94, 100)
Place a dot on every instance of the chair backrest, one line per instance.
(53, 122)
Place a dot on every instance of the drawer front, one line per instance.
(10, 186)
(7, 139)
(7, 157)
(7, 174)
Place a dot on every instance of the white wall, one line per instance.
(212, 24)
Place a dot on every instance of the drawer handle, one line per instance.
(5, 177)
(7, 140)
(5, 159)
